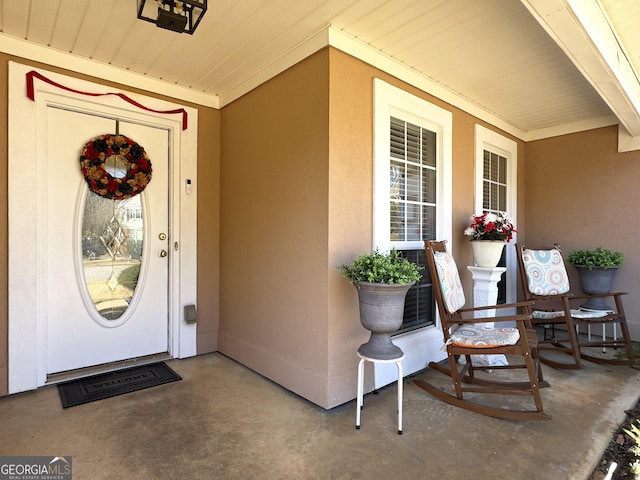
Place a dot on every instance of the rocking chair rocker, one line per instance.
(467, 336)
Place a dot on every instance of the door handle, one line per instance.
(162, 253)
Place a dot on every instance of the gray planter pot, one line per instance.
(381, 312)
(595, 281)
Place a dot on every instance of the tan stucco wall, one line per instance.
(208, 294)
(582, 193)
(208, 212)
(292, 212)
(351, 206)
(274, 228)
(285, 194)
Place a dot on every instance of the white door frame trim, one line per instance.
(26, 169)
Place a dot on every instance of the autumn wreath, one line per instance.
(129, 154)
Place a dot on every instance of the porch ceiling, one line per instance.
(536, 68)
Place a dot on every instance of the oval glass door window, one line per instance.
(112, 240)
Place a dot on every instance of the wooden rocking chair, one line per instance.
(545, 282)
(465, 335)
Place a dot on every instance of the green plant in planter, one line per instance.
(600, 257)
(376, 267)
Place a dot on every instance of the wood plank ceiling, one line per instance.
(494, 54)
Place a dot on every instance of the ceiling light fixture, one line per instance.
(182, 16)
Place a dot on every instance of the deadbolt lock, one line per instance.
(162, 236)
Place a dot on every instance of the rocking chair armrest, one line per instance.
(556, 296)
(595, 295)
(518, 318)
(526, 303)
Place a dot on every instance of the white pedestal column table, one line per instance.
(485, 292)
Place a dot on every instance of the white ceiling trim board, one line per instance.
(327, 35)
(627, 143)
(310, 45)
(358, 49)
(346, 43)
(569, 23)
(49, 56)
(574, 127)
(599, 30)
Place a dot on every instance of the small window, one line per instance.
(494, 182)
(496, 191)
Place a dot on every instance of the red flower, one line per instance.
(490, 226)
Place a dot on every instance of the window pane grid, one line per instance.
(494, 187)
(412, 182)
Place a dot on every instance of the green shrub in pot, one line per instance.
(600, 257)
(377, 267)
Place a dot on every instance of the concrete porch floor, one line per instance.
(224, 421)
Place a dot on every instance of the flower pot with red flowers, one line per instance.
(489, 234)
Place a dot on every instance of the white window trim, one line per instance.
(486, 139)
(423, 345)
(392, 101)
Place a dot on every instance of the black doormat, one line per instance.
(112, 384)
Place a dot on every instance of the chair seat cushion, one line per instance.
(483, 336)
(589, 313)
(542, 315)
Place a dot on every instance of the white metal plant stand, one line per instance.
(360, 398)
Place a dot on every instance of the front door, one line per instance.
(106, 260)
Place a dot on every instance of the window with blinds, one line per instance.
(419, 305)
(412, 202)
(494, 199)
(494, 182)
(412, 182)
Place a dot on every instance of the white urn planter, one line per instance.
(381, 312)
(487, 253)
